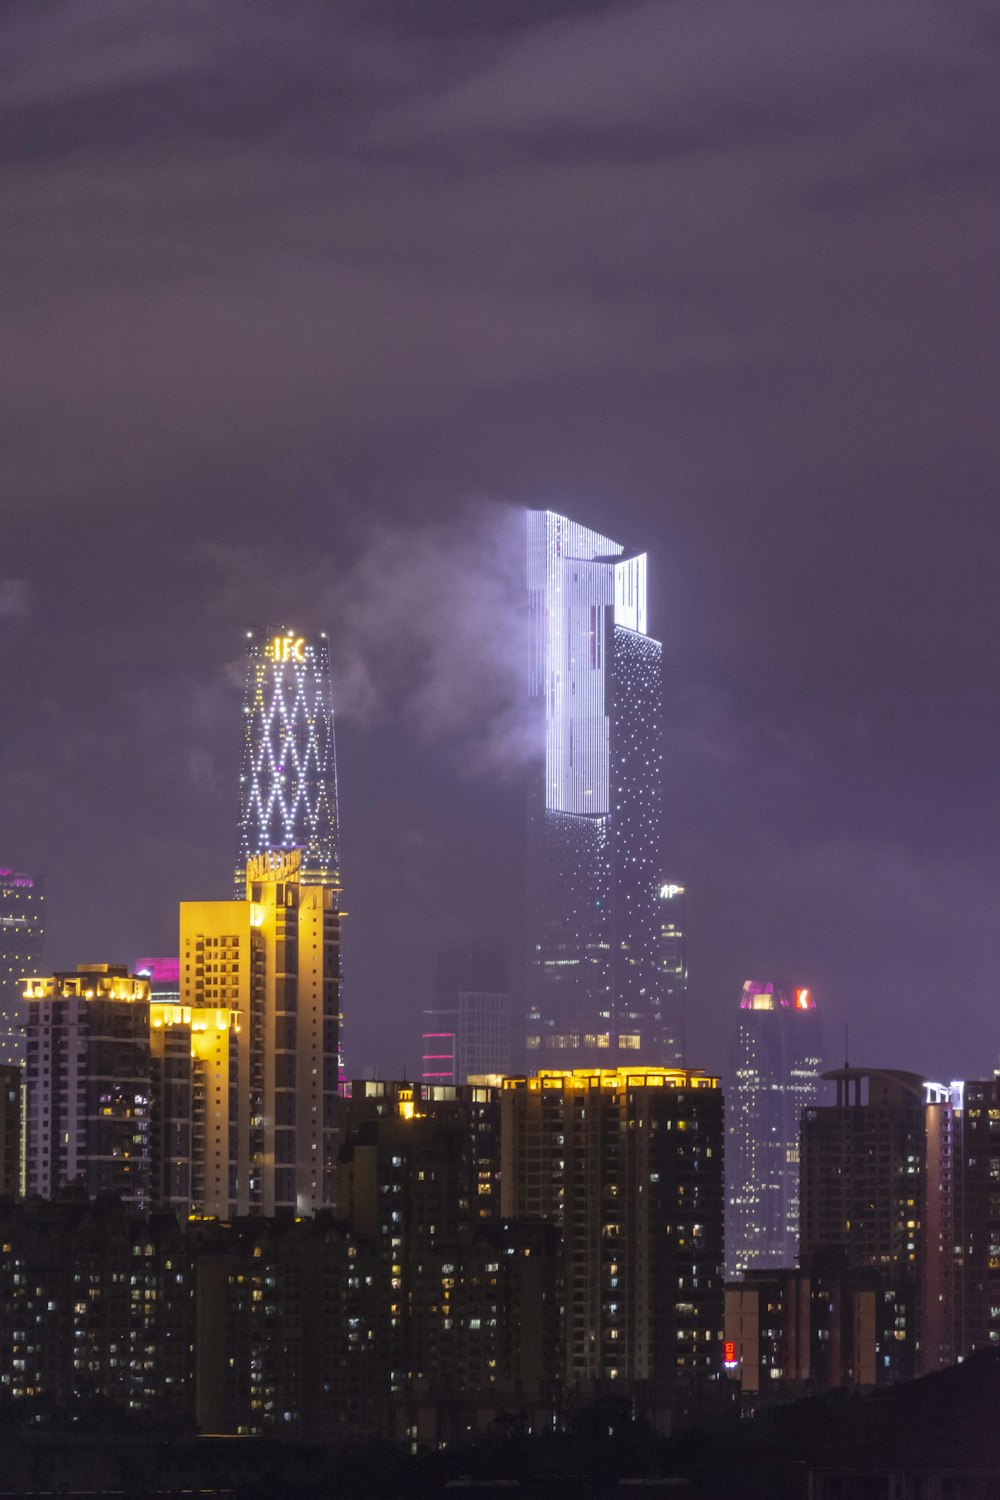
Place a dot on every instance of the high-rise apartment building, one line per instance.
(900, 1178)
(775, 1078)
(417, 1170)
(10, 1130)
(194, 1083)
(88, 1083)
(288, 773)
(965, 1172)
(22, 930)
(796, 1332)
(595, 994)
(467, 1031)
(267, 969)
(865, 1171)
(628, 1163)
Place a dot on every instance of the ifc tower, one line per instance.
(288, 774)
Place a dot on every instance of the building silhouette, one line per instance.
(467, 1029)
(22, 932)
(775, 1078)
(594, 988)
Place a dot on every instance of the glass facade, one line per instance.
(672, 963)
(775, 1079)
(288, 775)
(595, 992)
(467, 1030)
(22, 929)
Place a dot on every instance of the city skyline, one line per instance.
(299, 340)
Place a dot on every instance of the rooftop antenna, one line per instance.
(846, 1047)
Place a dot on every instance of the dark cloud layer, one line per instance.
(302, 302)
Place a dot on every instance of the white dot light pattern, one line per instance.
(288, 775)
(597, 987)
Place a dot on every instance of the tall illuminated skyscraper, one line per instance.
(775, 1080)
(22, 928)
(595, 994)
(288, 775)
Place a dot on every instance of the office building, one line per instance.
(672, 965)
(775, 1078)
(628, 1163)
(595, 871)
(288, 772)
(467, 1030)
(88, 1083)
(263, 975)
(22, 930)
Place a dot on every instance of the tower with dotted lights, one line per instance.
(288, 775)
(22, 929)
(594, 972)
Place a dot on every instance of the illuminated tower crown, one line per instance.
(288, 776)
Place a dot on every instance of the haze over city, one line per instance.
(303, 308)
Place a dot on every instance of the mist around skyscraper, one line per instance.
(596, 995)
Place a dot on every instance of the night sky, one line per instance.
(303, 303)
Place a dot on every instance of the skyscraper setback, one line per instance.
(288, 775)
(595, 990)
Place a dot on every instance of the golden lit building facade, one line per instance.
(272, 961)
(628, 1162)
(194, 1061)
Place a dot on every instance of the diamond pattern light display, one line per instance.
(288, 776)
